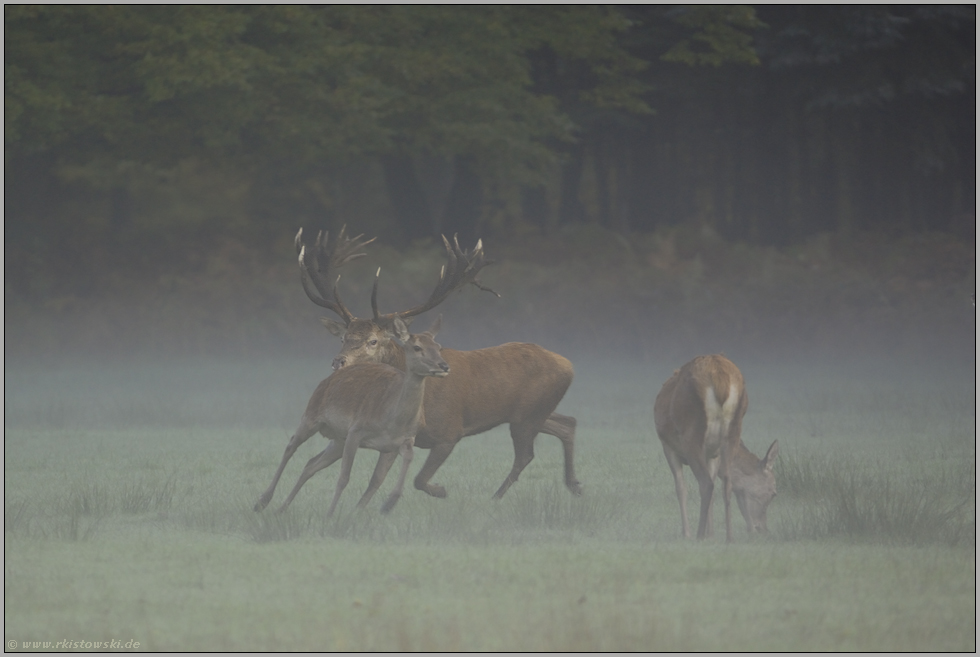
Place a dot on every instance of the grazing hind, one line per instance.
(698, 414)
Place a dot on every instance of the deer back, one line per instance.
(701, 407)
(513, 382)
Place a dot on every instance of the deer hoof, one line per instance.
(389, 504)
(575, 487)
(261, 504)
(436, 490)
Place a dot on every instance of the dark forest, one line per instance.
(141, 140)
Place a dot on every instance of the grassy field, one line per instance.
(128, 491)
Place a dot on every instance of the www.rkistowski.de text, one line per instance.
(69, 644)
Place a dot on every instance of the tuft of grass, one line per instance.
(91, 499)
(274, 527)
(886, 510)
(799, 476)
(550, 509)
(143, 497)
(71, 520)
(838, 500)
(78, 514)
(16, 517)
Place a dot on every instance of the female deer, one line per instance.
(698, 414)
(374, 406)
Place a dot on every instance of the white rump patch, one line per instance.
(719, 416)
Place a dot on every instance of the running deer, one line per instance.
(516, 383)
(698, 414)
(374, 406)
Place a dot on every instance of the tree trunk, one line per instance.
(570, 208)
(463, 213)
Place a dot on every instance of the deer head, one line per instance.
(422, 357)
(754, 485)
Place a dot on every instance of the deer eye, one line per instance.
(418, 348)
(373, 342)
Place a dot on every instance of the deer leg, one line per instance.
(677, 469)
(706, 484)
(322, 460)
(350, 450)
(301, 436)
(437, 456)
(523, 454)
(727, 488)
(727, 494)
(713, 474)
(385, 461)
(406, 453)
(563, 427)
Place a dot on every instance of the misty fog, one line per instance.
(791, 186)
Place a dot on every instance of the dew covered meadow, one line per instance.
(130, 475)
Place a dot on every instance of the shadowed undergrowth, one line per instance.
(664, 292)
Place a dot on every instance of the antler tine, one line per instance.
(321, 272)
(479, 261)
(374, 295)
(329, 301)
(298, 240)
(461, 268)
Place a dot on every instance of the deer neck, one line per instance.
(408, 408)
(394, 356)
(744, 461)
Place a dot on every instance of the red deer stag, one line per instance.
(515, 383)
(375, 406)
(698, 414)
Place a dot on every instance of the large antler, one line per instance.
(319, 269)
(461, 268)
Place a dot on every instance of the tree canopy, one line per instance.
(157, 84)
(764, 124)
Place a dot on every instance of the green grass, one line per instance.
(134, 522)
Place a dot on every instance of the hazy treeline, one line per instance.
(137, 135)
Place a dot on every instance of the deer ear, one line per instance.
(436, 325)
(400, 329)
(335, 327)
(770, 457)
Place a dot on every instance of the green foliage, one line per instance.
(159, 84)
(721, 35)
(868, 55)
(535, 117)
(145, 84)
